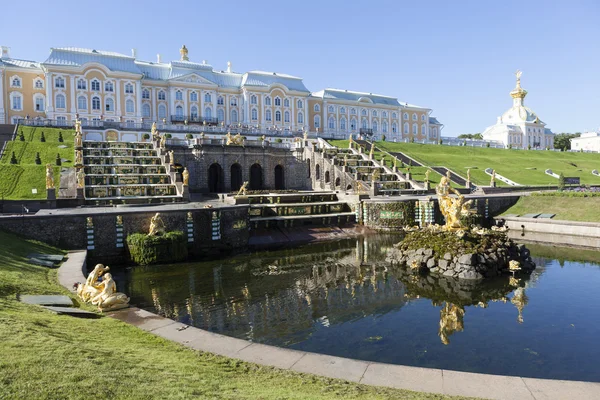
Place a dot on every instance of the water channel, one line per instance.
(342, 298)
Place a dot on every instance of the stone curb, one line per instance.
(429, 380)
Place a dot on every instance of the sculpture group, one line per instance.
(100, 290)
(452, 208)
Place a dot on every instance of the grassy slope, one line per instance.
(567, 208)
(509, 163)
(16, 181)
(50, 356)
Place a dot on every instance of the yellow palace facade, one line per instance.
(100, 86)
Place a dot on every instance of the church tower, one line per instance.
(518, 93)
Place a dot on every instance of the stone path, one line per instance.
(396, 376)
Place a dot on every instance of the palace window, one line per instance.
(286, 116)
(233, 101)
(415, 129)
(109, 87)
(162, 111)
(343, 124)
(61, 120)
(81, 84)
(353, 124)
(343, 110)
(394, 115)
(406, 117)
(109, 104)
(353, 111)
(286, 103)
(208, 112)
(39, 84)
(16, 82)
(59, 82)
(95, 103)
(129, 107)
(384, 127)
(61, 101)
(145, 94)
(82, 103)
(331, 123)
(414, 117)
(299, 103)
(234, 116)
(96, 85)
(365, 124)
(375, 126)
(179, 111)
(146, 110)
(220, 100)
(423, 117)
(384, 114)
(277, 116)
(129, 88)
(300, 118)
(194, 111)
(39, 103)
(207, 98)
(317, 121)
(220, 115)
(162, 95)
(268, 115)
(434, 131)
(253, 99)
(394, 128)
(254, 114)
(193, 96)
(374, 113)
(406, 128)
(423, 129)
(363, 112)
(277, 102)
(178, 95)
(331, 109)
(317, 108)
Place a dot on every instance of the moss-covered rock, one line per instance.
(167, 248)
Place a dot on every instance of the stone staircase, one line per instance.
(459, 180)
(129, 172)
(287, 210)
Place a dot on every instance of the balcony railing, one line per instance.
(194, 119)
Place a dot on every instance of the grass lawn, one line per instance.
(16, 181)
(585, 209)
(49, 356)
(512, 164)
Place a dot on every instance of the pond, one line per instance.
(343, 299)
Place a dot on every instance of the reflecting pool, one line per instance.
(342, 298)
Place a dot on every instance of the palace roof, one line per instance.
(11, 62)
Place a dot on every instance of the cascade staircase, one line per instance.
(287, 210)
(130, 172)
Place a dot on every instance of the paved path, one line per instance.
(370, 373)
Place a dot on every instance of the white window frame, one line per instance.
(128, 88)
(95, 85)
(79, 103)
(178, 95)
(194, 96)
(317, 108)
(299, 104)
(109, 86)
(300, 117)
(253, 99)
(254, 114)
(129, 106)
(146, 110)
(16, 82)
(81, 84)
(38, 83)
(109, 107)
(145, 94)
(59, 82)
(64, 101)
(162, 95)
(98, 102)
(277, 101)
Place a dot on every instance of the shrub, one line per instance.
(383, 138)
(487, 144)
(561, 182)
(146, 136)
(441, 141)
(528, 147)
(278, 140)
(21, 136)
(412, 139)
(38, 160)
(189, 136)
(510, 146)
(42, 137)
(168, 135)
(168, 248)
(60, 137)
(58, 160)
(13, 158)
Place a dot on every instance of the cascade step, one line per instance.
(291, 217)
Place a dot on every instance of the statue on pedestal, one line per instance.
(157, 226)
(78, 134)
(171, 157)
(86, 291)
(427, 176)
(109, 299)
(350, 141)
(80, 178)
(163, 141)
(78, 157)
(154, 132)
(452, 208)
(493, 179)
(49, 176)
(186, 176)
(469, 175)
(242, 191)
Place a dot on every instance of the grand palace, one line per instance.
(106, 87)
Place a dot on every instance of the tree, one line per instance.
(562, 141)
(561, 182)
(476, 136)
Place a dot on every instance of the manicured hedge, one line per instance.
(167, 248)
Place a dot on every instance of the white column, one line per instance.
(171, 110)
(227, 100)
(73, 108)
(292, 113)
(201, 112)
(246, 108)
(138, 98)
(49, 98)
(2, 116)
(185, 102)
(118, 98)
(153, 103)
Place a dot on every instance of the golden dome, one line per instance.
(518, 92)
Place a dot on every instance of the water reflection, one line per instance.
(284, 297)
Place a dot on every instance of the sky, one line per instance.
(456, 57)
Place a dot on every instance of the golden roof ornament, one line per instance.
(518, 92)
(184, 53)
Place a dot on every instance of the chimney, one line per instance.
(228, 66)
(134, 53)
(5, 52)
(158, 58)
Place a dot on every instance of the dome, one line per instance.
(520, 114)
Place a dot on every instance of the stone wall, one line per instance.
(324, 175)
(70, 232)
(198, 161)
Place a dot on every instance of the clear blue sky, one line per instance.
(456, 57)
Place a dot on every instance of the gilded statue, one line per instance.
(80, 178)
(493, 178)
(78, 134)
(49, 176)
(119, 220)
(448, 176)
(89, 223)
(186, 176)
(77, 125)
(163, 141)
(469, 175)
(427, 176)
(154, 131)
(371, 152)
(305, 135)
(78, 157)
(157, 226)
(452, 208)
(109, 299)
(350, 141)
(451, 320)
(171, 157)
(86, 291)
(242, 191)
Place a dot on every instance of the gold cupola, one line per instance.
(518, 92)
(184, 53)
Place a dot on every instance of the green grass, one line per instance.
(586, 209)
(16, 181)
(60, 357)
(512, 164)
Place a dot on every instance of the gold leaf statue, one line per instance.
(102, 294)
(452, 208)
(49, 176)
(186, 176)
(157, 226)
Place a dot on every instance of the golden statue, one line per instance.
(229, 139)
(80, 178)
(119, 220)
(77, 125)
(89, 223)
(184, 53)
(448, 176)
(109, 299)
(171, 157)
(78, 157)
(305, 135)
(91, 288)
(78, 134)
(395, 163)
(186, 176)
(520, 300)
(190, 218)
(451, 320)
(49, 176)
(493, 178)
(469, 175)
(157, 226)
(375, 175)
(242, 191)
(154, 132)
(371, 152)
(452, 208)
(350, 141)
(427, 176)
(163, 141)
